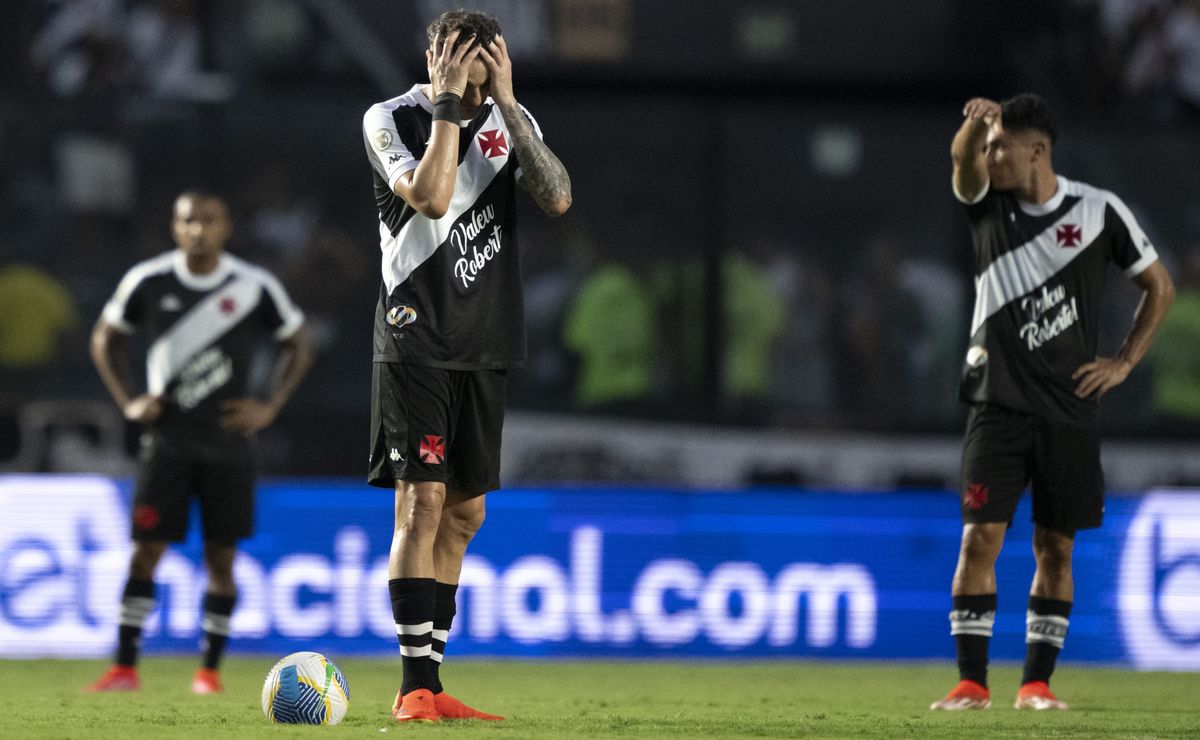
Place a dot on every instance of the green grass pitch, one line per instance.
(558, 699)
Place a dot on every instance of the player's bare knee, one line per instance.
(460, 523)
(419, 508)
(981, 543)
(218, 560)
(145, 559)
(1052, 550)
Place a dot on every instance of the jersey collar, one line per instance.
(200, 282)
(1033, 209)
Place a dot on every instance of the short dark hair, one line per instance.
(1029, 112)
(483, 27)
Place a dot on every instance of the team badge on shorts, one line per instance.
(976, 496)
(433, 449)
(401, 315)
(145, 516)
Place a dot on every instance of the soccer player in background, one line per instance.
(204, 313)
(446, 157)
(1032, 374)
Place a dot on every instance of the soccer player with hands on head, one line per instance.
(446, 159)
(1032, 374)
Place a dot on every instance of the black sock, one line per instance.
(217, 609)
(413, 609)
(444, 609)
(1046, 625)
(136, 604)
(971, 623)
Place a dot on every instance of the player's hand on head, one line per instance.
(495, 56)
(246, 415)
(448, 64)
(982, 109)
(143, 409)
(1100, 376)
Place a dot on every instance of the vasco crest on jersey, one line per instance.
(492, 143)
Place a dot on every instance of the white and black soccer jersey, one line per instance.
(1039, 276)
(202, 332)
(451, 294)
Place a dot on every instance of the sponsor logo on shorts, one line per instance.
(396, 456)
(433, 449)
(976, 496)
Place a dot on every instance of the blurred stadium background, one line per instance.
(764, 281)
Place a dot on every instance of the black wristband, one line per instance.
(447, 108)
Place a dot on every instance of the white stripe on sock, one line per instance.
(423, 628)
(217, 624)
(416, 652)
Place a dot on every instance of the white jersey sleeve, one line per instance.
(126, 308)
(388, 154)
(1132, 250)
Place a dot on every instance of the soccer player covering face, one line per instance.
(447, 157)
(204, 313)
(1032, 375)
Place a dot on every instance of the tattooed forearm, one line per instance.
(543, 175)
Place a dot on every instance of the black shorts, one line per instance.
(433, 424)
(167, 483)
(1006, 450)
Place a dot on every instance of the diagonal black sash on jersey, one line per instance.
(208, 321)
(1019, 272)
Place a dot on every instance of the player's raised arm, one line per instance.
(968, 151)
(542, 174)
(429, 187)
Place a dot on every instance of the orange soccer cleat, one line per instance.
(415, 706)
(450, 708)
(966, 695)
(207, 681)
(1037, 695)
(117, 678)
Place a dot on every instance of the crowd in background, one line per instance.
(832, 292)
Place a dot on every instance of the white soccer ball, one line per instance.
(305, 689)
